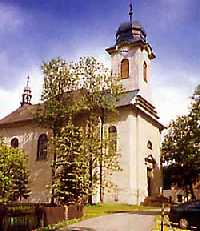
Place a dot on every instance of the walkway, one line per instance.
(117, 222)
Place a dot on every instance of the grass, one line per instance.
(103, 209)
(98, 210)
(167, 227)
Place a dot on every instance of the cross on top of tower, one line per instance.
(28, 80)
(131, 11)
(27, 95)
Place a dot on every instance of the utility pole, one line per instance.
(101, 156)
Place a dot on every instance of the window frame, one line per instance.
(124, 67)
(149, 145)
(13, 144)
(145, 72)
(42, 147)
(112, 136)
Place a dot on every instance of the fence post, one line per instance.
(162, 217)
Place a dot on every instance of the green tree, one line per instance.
(71, 182)
(181, 146)
(76, 97)
(13, 174)
(57, 106)
(102, 91)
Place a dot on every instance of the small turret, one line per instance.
(27, 94)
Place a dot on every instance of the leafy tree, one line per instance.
(57, 106)
(75, 98)
(58, 80)
(181, 146)
(102, 91)
(13, 174)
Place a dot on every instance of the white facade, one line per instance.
(136, 58)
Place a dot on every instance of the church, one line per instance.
(137, 128)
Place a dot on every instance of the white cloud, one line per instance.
(170, 103)
(10, 99)
(173, 85)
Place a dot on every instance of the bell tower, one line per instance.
(131, 57)
(27, 95)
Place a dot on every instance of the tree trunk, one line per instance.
(53, 171)
(90, 179)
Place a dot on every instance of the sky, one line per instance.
(35, 31)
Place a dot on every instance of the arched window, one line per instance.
(145, 72)
(42, 147)
(149, 145)
(124, 69)
(14, 143)
(112, 136)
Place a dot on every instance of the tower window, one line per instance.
(145, 72)
(124, 69)
(14, 143)
(149, 145)
(112, 135)
(42, 147)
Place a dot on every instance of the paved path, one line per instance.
(116, 222)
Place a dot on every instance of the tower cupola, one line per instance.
(27, 94)
(130, 32)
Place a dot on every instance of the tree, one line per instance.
(102, 91)
(84, 89)
(71, 182)
(13, 174)
(181, 146)
(57, 107)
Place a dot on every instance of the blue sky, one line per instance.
(33, 31)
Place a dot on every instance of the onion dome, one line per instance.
(130, 32)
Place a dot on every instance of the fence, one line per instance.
(26, 217)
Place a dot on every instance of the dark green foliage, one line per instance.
(71, 165)
(181, 146)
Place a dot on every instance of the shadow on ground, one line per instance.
(80, 229)
(138, 212)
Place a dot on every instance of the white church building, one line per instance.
(138, 128)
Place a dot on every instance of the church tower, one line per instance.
(27, 95)
(131, 57)
(138, 126)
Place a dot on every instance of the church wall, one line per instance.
(125, 179)
(133, 56)
(145, 87)
(40, 171)
(136, 58)
(147, 132)
(134, 132)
